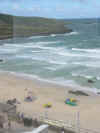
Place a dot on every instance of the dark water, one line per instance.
(69, 59)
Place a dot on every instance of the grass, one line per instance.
(28, 26)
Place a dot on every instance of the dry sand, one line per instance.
(12, 86)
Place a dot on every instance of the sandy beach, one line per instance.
(12, 86)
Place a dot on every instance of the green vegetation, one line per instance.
(14, 26)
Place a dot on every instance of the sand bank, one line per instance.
(12, 86)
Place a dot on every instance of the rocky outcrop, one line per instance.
(1, 60)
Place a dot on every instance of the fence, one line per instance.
(68, 125)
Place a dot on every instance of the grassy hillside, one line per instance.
(13, 26)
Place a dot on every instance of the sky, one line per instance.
(52, 8)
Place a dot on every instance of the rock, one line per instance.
(9, 102)
(13, 101)
(81, 93)
(90, 81)
(1, 60)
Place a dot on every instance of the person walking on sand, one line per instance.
(62, 130)
(9, 124)
(22, 116)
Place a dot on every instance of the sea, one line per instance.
(69, 59)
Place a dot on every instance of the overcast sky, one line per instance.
(52, 8)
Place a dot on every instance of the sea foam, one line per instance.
(71, 33)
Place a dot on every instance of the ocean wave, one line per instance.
(57, 62)
(87, 50)
(70, 54)
(71, 33)
(88, 64)
(48, 42)
(51, 68)
(36, 37)
(50, 61)
(86, 76)
(82, 75)
(24, 56)
(98, 77)
(78, 55)
(35, 51)
(53, 35)
(3, 50)
(12, 45)
(75, 86)
(33, 44)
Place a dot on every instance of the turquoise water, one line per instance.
(68, 59)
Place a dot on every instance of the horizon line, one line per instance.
(50, 17)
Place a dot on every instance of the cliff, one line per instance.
(15, 26)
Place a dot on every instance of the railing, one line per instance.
(68, 125)
(57, 123)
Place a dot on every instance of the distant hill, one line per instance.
(15, 26)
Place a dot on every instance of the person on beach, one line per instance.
(9, 124)
(22, 116)
(62, 130)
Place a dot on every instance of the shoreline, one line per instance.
(48, 82)
(12, 86)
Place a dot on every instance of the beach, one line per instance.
(12, 86)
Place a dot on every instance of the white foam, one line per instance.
(51, 68)
(37, 37)
(5, 50)
(48, 42)
(53, 35)
(87, 50)
(31, 45)
(88, 64)
(70, 54)
(26, 56)
(85, 76)
(98, 78)
(65, 53)
(57, 62)
(72, 33)
(75, 75)
(82, 75)
(35, 51)
(19, 45)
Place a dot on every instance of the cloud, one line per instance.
(15, 6)
(34, 8)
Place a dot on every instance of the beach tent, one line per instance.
(71, 101)
(29, 99)
(47, 105)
